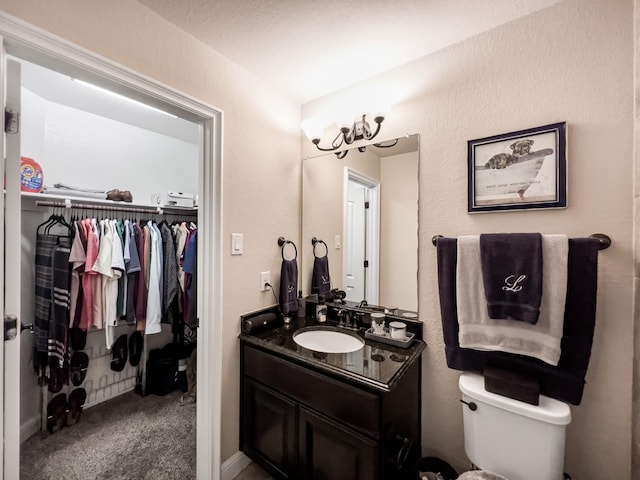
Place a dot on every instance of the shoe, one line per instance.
(75, 404)
(114, 195)
(79, 363)
(126, 196)
(56, 413)
(119, 354)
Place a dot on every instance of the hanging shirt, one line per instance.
(147, 253)
(89, 278)
(132, 267)
(181, 234)
(169, 269)
(118, 236)
(103, 267)
(141, 286)
(77, 259)
(190, 269)
(154, 295)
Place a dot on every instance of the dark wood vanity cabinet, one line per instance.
(270, 422)
(328, 450)
(299, 423)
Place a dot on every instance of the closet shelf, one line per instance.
(47, 200)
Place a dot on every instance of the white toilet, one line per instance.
(511, 438)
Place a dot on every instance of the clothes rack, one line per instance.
(121, 380)
(67, 203)
(605, 240)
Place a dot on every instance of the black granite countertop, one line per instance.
(377, 365)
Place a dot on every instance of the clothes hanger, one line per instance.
(45, 223)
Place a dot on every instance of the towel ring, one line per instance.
(314, 242)
(283, 243)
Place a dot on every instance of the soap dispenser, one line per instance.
(321, 310)
(302, 305)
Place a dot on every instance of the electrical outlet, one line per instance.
(265, 277)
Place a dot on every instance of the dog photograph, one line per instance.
(523, 169)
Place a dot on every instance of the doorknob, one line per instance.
(10, 327)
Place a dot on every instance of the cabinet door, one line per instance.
(269, 429)
(328, 451)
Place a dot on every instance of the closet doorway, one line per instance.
(26, 50)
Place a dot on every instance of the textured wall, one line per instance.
(635, 420)
(571, 62)
(261, 184)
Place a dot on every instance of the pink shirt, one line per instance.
(86, 316)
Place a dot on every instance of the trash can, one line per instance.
(480, 475)
(433, 468)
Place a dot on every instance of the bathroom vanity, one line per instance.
(311, 415)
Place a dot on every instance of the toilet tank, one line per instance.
(511, 438)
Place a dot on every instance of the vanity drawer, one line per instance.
(343, 402)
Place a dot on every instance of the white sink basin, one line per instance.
(328, 341)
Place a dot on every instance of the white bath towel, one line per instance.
(478, 331)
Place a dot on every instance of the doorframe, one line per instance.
(29, 42)
(372, 251)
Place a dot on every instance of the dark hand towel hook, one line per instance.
(314, 242)
(283, 243)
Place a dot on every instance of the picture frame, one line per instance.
(526, 169)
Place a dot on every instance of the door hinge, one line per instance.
(366, 264)
(366, 205)
(11, 120)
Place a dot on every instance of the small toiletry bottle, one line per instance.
(302, 305)
(321, 310)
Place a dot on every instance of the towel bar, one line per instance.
(605, 240)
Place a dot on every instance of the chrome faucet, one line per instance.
(346, 317)
(342, 313)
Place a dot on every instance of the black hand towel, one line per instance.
(289, 286)
(320, 279)
(564, 382)
(512, 275)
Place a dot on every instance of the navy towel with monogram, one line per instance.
(289, 286)
(512, 275)
(320, 279)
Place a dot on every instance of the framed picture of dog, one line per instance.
(520, 170)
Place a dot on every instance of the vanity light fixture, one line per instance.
(360, 129)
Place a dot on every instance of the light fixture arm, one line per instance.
(360, 130)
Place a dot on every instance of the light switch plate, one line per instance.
(237, 244)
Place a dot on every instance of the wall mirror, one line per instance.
(363, 211)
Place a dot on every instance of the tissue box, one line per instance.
(173, 199)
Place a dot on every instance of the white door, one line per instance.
(11, 279)
(361, 237)
(355, 238)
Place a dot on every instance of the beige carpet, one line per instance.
(129, 437)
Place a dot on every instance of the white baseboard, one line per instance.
(234, 465)
(29, 428)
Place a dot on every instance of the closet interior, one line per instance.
(109, 223)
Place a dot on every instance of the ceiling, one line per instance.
(310, 48)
